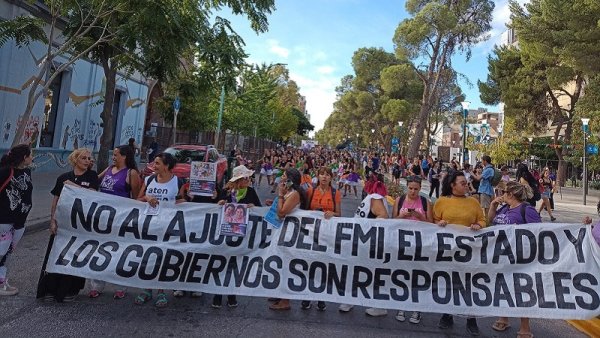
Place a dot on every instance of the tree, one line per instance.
(304, 125)
(434, 33)
(539, 82)
(153, 37)
(59, 14)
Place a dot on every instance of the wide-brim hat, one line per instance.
(240, 172)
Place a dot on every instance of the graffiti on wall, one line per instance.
(48, 159)
(93, 133)
(127, 133)
(31, 131)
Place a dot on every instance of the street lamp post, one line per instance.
(465, 106)
(372, 136)
(357, 140)
(585, 122)
(176, 107)
(400, 124)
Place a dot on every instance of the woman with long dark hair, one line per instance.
(121, 179)
(16, 190)
(455, 207)
(55, 286)
(524, 176)
(290, 198)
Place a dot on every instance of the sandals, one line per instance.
(500, 326)
(161, 300)
(524, 334)
(143, 297)
(279, 306)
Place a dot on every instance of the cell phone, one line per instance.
(410, 210)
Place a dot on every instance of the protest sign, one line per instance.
(234, 219)
(534, 270)
(203, 178)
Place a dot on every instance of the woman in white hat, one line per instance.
(237, 190)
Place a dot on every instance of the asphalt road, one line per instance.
(24, 316)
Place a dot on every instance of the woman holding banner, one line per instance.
(323, 197)
(121, 179)
(290, 198)
(55, 286)
(454, 207)
(237, 191)
(514, 209)
(16, 190)
(162, 188)
(413, 206)
(374, 205)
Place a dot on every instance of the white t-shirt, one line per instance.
(163, 191)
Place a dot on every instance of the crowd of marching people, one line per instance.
(315, 179)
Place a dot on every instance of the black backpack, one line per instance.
(333, 192)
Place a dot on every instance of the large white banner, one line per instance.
(534, 270)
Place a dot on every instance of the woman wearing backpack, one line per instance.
(162, 188)
(514, 209)
(16, 190)
(525, 177)
(327, 199)
(415, 207)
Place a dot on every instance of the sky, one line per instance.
(317, 38)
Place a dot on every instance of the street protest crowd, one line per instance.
(310, 179)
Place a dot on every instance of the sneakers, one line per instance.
(7, 290)
(321, 306)
(216, 304)
(232, 301)
(94, 294)
(375, 312)
(447, 321)
(415, 317)
(305, 305)
(119, 294)
(345, 307)
(472, 327)
(400, 316)
(48, 298)
(552, 218)
(71, 298)
(178, 293)
(196, 294)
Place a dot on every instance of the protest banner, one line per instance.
(203, 178)
(534, 270)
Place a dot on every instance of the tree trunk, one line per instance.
(107, 138)
(561, 175)
(417, 139)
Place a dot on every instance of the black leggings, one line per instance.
(435, 185)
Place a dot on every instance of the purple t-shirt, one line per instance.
(506, 215)
(596, 232)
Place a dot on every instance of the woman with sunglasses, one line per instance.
(327, 199)
(237, 191)
(55, 286)
(455, 207)
(514, 209)
(413, 206)
(290, 198)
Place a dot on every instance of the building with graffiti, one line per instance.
(67, 116)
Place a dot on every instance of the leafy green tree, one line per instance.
(435, 32)
(153, 37)
(540, 82)
(60, 30)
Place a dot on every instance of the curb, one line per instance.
(37, 224)
(590, 327)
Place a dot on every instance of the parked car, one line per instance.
(185, 154)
